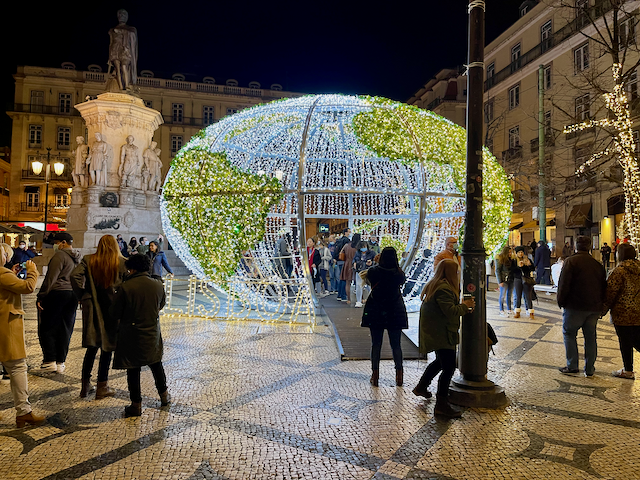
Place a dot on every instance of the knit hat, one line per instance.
(519, 249)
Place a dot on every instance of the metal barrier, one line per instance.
(265, 299)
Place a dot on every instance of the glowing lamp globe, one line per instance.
(384, 168)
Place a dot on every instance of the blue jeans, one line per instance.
(572, 321)
(377, 334)
(334, 276)
(342, 285)
(506, 291)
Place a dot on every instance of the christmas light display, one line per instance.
(387, 169)
(623, 147)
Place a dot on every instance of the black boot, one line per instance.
(86, 388)
(133, 410)
(399, 377)
(374, 378)
(444, 408)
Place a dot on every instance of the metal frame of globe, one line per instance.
(307, 194)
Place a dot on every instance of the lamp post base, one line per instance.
(483, 394)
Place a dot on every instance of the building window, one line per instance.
(514, 137)
(547, 124)
(64, 103)
(516, 52)
(582, 13)
(582, 108)
(176, 144)
(545, 36)
(64, 138)
(489, 144)
(231, 111)
(627, 31)
(35, 136)
(491, 70)
(33, 198)
(581, 57)
(636, 143)
(148, 103)
(488, 111)
(546, 75)
(177, 112)
(37, 101)
(61, 200)
(207, 114)
(632, 86)
(524, 10)
(514, 97)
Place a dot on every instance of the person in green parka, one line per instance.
(439, 325)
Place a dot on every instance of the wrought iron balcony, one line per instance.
(512, 153)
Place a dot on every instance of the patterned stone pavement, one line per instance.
(271, 401)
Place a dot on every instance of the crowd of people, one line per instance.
(120, 300)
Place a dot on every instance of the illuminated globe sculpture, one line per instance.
(385, 168)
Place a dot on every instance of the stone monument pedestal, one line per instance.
(111, 204)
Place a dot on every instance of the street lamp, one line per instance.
(58, 168)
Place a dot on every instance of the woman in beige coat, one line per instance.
(13, 353)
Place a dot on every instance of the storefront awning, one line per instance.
(580, 216)
(515, 226)
(530, 226)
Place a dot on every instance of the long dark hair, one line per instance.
(355, 240)
(389, 259)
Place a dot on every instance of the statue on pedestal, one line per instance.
(153, 164)
(80, 155)
(98, 160)
(130, 164)
(123, 52)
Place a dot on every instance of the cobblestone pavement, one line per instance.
(256, 400)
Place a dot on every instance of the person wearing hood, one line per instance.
(542, 262)
(623, 299)
(385, 310)
(158, 260)
(13, 352)
(57, 305)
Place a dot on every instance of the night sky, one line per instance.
(316, 47)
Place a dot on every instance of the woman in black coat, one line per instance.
(137, 305)
(385, 310)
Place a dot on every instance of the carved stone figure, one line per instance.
(123, 52)
(80, 155)
(130, 164)
(98, 161)
(153, 164)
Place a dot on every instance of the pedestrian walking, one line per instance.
(13, 352)
(57, 305)
(623, 299)
(581, 293)
(521, 269)
(334, 270)
(567, 250)
(505, 279)
(605, 251)
(314, 263)
(139, 341)
(326, 261)
(158, 260)
(439, 325)
(542, 262)
(346, 275)
(21, 255)
(362, 260)
(339, 258)
(283, 261)
(385, 310)
(95, 281)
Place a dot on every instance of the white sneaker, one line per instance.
(60, 367)
(358, 305)
(48, 367)
(503, 313)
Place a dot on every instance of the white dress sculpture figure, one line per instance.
(151, 157)
(98, 161)
(80, 155)
(130, 163)
(123, 51)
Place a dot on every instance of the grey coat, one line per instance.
(99, 329)
(137, 305)
(60, 267)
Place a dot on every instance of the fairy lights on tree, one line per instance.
(623, 147)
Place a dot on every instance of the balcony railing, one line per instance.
(188, 121)
(556, 38)
(31, 207)
(207, 87)
(46, 109)
(512, 153)
(66, 175)
(549, 141)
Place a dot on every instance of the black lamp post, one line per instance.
(58, 168)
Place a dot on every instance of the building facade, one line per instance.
(44, 117)
(445, 94)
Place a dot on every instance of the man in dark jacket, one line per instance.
(581, 293)
(340, 243)
(57, 305)
(542, 263)
(137, 305)
(605, 251)
(20, 256)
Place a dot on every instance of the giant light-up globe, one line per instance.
(384, 168)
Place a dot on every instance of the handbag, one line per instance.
(527, 279)
(492, 338)
(341, 256)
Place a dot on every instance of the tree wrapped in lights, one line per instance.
(622, 146)
(242, 182)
